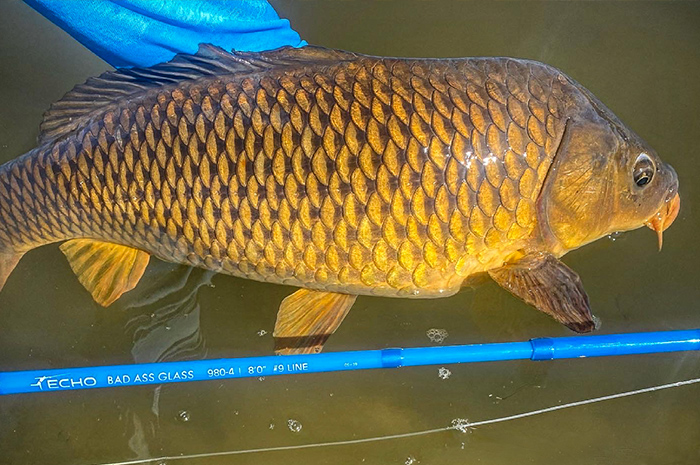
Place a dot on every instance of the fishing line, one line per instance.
(461, 425)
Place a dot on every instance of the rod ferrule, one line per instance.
(542, 348)
(392, 358)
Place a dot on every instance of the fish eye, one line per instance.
(643, 170)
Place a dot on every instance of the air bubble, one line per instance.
(437, 335)
(294, 426)
(444, 373)
(614, 236)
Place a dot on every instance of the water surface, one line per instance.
(641, 59)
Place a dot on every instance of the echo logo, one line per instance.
(58, 382)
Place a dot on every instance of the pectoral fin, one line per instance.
(307, 318)
(106, 270)
(551, 287)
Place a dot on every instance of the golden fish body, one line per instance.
(340, 173)
(369, 176)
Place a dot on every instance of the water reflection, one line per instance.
(162, 319)
(163, 313)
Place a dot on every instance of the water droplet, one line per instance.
(183, 416)
(437, 335)
(614, 236)
(444, 373)
(461, 425)
(262, 332)
(294, 426)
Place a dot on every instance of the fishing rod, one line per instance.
(538, 349)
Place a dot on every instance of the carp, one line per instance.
(339, 173)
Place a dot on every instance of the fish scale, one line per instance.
(396, 177)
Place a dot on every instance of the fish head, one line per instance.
(604, 179)
(647, 191)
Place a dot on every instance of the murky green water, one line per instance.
(641, 59)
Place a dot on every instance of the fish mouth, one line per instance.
(663, 218)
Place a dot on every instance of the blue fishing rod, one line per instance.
(199, 370)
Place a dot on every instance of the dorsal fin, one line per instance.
(78, 105)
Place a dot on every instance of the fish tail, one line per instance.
(9, 256)
(8, 262)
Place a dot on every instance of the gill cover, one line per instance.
(578, 196)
